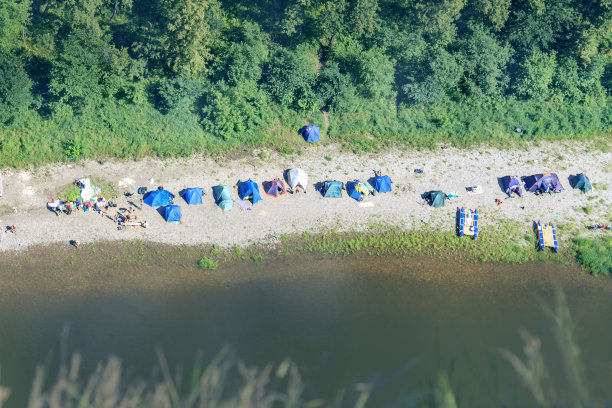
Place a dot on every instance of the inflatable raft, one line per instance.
(468, 222)
(547, 237)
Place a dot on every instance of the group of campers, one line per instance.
(297, 180)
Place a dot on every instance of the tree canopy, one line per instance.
(234, 68)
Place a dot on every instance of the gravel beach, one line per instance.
(26, 192)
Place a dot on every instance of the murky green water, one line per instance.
(393, 323)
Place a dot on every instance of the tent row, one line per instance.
(249, 190)
(544, 183)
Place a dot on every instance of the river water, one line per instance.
(393, 323)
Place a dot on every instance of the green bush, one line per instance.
(595, 254)
(208, 263)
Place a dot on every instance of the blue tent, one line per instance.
(311, 133)
(382, 184)
(158, 198)
(193, 195)
(357, 189)
(223, 197)
(172, 213)
(512, 184)
(249, 189)
(544, 183)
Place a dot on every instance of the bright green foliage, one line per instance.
(290, 77)
(595, 254)
(15, 86)
(484, 60)
(190, 32)
(538, 71)
(208, 263)
(15, 17)
(336, 90)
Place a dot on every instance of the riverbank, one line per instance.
(452, 170)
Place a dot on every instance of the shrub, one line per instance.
(207, 263)
(595, 254)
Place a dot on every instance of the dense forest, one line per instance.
(127, 78)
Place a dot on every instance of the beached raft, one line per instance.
(468, 222)
(547, 236)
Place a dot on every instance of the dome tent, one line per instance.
(311, 133)
(192, 195)
(158, 198)
(297, 178)
(172, 213)
(223, 197)
(249, 190)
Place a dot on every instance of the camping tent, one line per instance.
(311, 133)
(297, 178)
(274, 188)
(332, 189)
(157, 198)
(193, 195)
(512, 184)
(580, 181)
(545, 183)
(172, 213)
(87, 189)
(249, 189)
(223, 197)
(357, 189)
(435, 198)
(382, 184)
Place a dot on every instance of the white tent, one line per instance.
(87, 190)
(297, 178)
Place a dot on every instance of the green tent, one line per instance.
(435, 198)
(223, 197)
(582, 182)
(332, 189)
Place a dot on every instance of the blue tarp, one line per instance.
(382, 184)
(356, 189)
(172, 213)
(158, 198)
(223, 197)
(249, 190)
(193, 195)
(311, 133)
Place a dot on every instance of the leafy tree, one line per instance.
(484, 61)
(290, 77)
(179, 93)
(336, 90)
(434, 80)
(15, 86)
(538, 71)
(191, 29)
(88, 69)
(14, 19)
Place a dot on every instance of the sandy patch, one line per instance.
(448, 170)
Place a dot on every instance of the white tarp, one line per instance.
(297, 177)
(87, 190)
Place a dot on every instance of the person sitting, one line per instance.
(12, 229)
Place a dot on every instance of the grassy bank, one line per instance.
(137, 131)
(595, 255)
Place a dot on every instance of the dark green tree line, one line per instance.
(237, 69)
